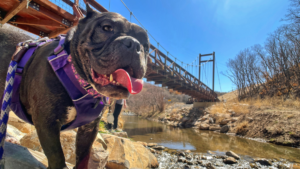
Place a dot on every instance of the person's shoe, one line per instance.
(118, 130)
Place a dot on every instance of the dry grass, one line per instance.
(241, 128)
(224, 108)
(275, 102)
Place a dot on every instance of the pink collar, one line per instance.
(91, 91)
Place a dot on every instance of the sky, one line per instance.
(187, 28)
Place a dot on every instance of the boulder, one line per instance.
(204, 126)
(214, 127)
(224, 129)
(263, 161)
(14, 132)
(158, 147)
(211, 120)
(142, 143)
(21, 157)
(121, 134)
(232, 154)
(229, 160)
(124, 154)
(151, 144)
(225, 121)
(68, 140)
(234, 119)
(98, 157)
(19, 124)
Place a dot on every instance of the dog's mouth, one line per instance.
(120, 78)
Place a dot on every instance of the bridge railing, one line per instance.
(77, 8)
(169, 65)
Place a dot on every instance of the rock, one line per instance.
(214, 127)
(152, 150)
(21, 125)
(181, 159)
(211, 120)
(142, 143)
(219, 164)
(250, 119)
(180, 153)
(190, 162)
(234, 119)
(253, 165)
(187, 151)
(263, 161)
(98, 158)
(124, 153)
(159, 147)
(210, 166)
(225, 121)
(186, 167)
(295, 166)
(151, 144)
(121, 134)
(188, 157)
(14, 132)
(210, 152)
(11, 139)
(31, 141)
(232, 154)
(224, 129)
(21, 157)
(229, 160)
(282, 166)
(204, 126)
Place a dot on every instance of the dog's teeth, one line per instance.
(111, 78)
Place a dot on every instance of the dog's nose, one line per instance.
(132, 44)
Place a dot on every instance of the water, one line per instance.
(201, 141)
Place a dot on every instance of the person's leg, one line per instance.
(116, 114)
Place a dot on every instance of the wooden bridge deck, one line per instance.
(44, 18)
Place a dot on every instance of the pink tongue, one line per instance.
(133, 85)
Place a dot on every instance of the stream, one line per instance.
(201, 141)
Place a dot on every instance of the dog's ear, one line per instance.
(89, 11)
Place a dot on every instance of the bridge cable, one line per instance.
(146, 29)
(219, 80)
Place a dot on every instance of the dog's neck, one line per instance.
(76, 58)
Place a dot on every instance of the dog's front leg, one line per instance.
(84, 140)
(48, 134)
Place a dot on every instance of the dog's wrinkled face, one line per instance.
(110, 53)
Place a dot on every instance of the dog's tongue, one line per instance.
(133, 85)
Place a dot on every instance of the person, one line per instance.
(118, 107)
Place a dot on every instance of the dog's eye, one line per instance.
(107, 28)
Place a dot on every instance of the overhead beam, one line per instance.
(37, 22)
(58, 32)
(16, 9)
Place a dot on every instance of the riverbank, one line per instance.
(264, 122)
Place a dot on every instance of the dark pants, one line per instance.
(116, 114)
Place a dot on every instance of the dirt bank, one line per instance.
(276, 124)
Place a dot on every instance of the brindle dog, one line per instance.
(101, 42)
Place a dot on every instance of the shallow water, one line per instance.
(202, 141)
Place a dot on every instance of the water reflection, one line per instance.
(202, 141)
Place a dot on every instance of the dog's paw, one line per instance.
(12, 140)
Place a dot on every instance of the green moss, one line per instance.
(102, 126)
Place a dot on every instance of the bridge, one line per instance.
(46, 18)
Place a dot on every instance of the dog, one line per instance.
(100, 44)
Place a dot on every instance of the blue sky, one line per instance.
(189, 27)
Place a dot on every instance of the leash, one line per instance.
(5, 106)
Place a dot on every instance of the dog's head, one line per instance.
(110, 53)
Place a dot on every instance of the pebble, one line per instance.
(263, 161)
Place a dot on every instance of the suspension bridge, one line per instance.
(51, 18)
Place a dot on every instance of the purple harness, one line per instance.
(88, 108)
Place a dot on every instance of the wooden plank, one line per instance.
(56, 9)
(51, 15)
(77, 12)
(31, 29)
(16, 9)
(37, 22)
(58, 32)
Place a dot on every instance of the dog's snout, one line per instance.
(132, 44)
